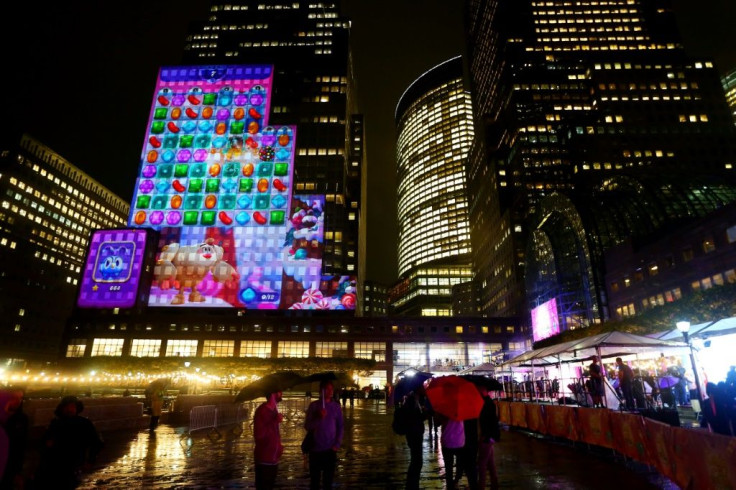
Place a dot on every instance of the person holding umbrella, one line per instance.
(268, 447)
(324, 420)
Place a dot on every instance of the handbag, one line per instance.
(308, 442)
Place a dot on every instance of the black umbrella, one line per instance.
(319, 377)
(270, 383)
(409, 383)
(488, 383)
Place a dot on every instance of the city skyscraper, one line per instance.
(313, 87)
(48, 209)
(435, 129)
(729, 86)
(592, 125)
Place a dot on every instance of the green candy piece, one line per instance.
(190, 217)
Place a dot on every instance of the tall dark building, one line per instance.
(48, 208)
(307, 43)
(592, 126)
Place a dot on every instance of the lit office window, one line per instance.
(145, 348)
(181, 348)
(293, 349)
(331, 349)
(107, 347)
(255, 348)
(218, 348)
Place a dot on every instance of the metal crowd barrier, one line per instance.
(213, 418)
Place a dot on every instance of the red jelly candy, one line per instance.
(177, 186)
(279, 185)
(254, 113)
(163, 100)
(191, 113)
(193, 100)
(155, 142)
(172, 127)
(260, 219)
(225, 218)
(251, 143)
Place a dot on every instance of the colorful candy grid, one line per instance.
(210, 159)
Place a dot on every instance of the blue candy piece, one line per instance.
(247, 295)
(197, 170)
(242, 218)
(189, 126)
(300, 254)
(283, 154)
(219, 142)
(244, 202)
(229, 185)
(205, 126)
(162, 186)
(225, 100)
(168, 156)
(278, 201)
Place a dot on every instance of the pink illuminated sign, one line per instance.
(545, 322)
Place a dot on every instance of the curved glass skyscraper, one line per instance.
(435, 129)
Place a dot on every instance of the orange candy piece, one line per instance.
(207, 112)
(221, 128)
(284, 139)
(215, 170)
(253, 127)
(152, 156)
(175, 113)
(140, 217)
(176, 201)
(248, 169)
(262, 185)
(239, 114)
(210, 201)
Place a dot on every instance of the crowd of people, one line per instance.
(467, 445)
(69, 445)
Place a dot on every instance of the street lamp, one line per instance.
(684, 328)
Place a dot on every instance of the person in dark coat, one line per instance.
(15, 424)
(268, 448)
(715, 411)
(70, 445)
(490, 434)
(414, 437)
(626, 382)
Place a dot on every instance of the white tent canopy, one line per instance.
(723, 326)
(608, 344)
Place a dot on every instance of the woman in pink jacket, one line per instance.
(268, 448)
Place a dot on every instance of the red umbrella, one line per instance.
(454, 397)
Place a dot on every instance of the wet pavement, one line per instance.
(372, 457)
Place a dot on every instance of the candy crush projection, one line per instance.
(112, 271)
(216, 180)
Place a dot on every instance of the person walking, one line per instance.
(490, 434)
(452, 441)
(70, 445)
(324, 420)
(626, 383)
(469, 455)
(414, 420)
(157, 406)
(268, 448)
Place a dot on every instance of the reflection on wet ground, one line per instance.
(372, 457)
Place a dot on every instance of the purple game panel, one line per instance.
(113, 269)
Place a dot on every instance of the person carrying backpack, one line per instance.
(409, 422)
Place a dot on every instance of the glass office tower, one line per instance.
(592, 126)
(435, 129)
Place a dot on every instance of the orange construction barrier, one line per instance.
(518, 415)
(701, 459)
(504, 412)
(594, 427)
(561, 422)
(629, 435)
(660, 440)
(535, 418)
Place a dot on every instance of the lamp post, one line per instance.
(684, 328)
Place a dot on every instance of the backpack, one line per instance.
(400, 423)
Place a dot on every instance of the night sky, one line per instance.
(79, 76)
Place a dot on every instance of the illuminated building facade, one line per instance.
(592, 127)
(48, 208)
(729, 86)
(435, 129)
(307, 43)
